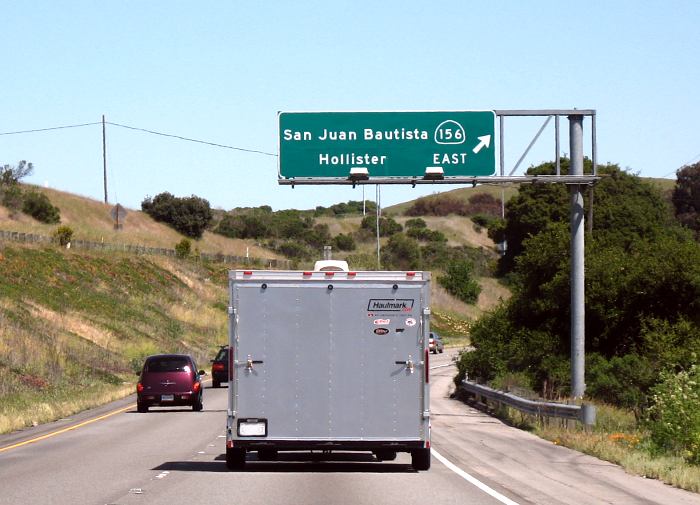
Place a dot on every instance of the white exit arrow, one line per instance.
(484, 141)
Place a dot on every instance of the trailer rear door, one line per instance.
(331, 358)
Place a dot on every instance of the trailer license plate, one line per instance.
(252, 427)
(167, 398)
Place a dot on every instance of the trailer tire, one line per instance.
(420, 459)
(235, 459)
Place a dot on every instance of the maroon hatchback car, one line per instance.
(169, 380)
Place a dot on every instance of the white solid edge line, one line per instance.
(472, 480)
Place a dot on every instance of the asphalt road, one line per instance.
(115, 455)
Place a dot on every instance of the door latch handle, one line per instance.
(410, 365)
(250, 362)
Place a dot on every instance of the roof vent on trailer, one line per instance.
(331, 266)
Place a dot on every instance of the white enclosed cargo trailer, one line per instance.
(328, 360)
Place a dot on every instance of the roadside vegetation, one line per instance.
(75, 327)
(642, 317)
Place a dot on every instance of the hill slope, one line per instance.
(91, 220)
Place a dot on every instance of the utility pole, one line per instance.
(379, 206)
(578, 313)
(104, 154)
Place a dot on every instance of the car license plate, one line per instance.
(167, 398)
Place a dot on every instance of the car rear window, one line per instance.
(222, 356)
(168, 365)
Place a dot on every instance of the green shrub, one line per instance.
(426, 235)
(294, 250)
(401, 253)
(416, 222)
(458, 281)
(63, 235)
(190, 216)
(387, 225)
(11, 197)
(183, 248)
(620, 380)
(39, 207)
(674, 416)
(344, 242)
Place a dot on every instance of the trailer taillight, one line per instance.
(329, 274)
(217, 367)
(427, 366)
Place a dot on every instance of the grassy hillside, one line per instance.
(91, 220)
(74, 327)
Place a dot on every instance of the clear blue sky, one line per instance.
(220, 71)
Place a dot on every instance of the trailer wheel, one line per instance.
(235, 459)
(420, 459)
(385, 455)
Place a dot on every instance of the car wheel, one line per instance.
(216, 384)
(235, 459)
(420, 459)
(198, 404)
(441, 351)
(141, 407)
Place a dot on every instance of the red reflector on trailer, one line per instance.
(306, 273)
(410, 274)
(352, 274)
(248, 272)
(330, 274)
(427, 366)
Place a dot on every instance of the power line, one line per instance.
(179, 137)
(191, 140)
(689, 162)
(48, 129)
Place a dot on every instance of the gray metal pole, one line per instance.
(379, 204)
(104, 155)
(577, 260)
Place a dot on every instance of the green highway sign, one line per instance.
(386, 144)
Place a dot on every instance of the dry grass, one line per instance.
(91, 221)
(13, 419)
(624, 449)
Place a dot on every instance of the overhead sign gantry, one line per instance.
(377, 145)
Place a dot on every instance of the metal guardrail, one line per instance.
(584, 413)
(33, 238)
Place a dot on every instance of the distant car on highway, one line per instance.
(219, 367)
(169, 380)
(435, 344)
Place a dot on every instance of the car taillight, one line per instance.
(196, 387)
(139, 388)
(217, 367)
